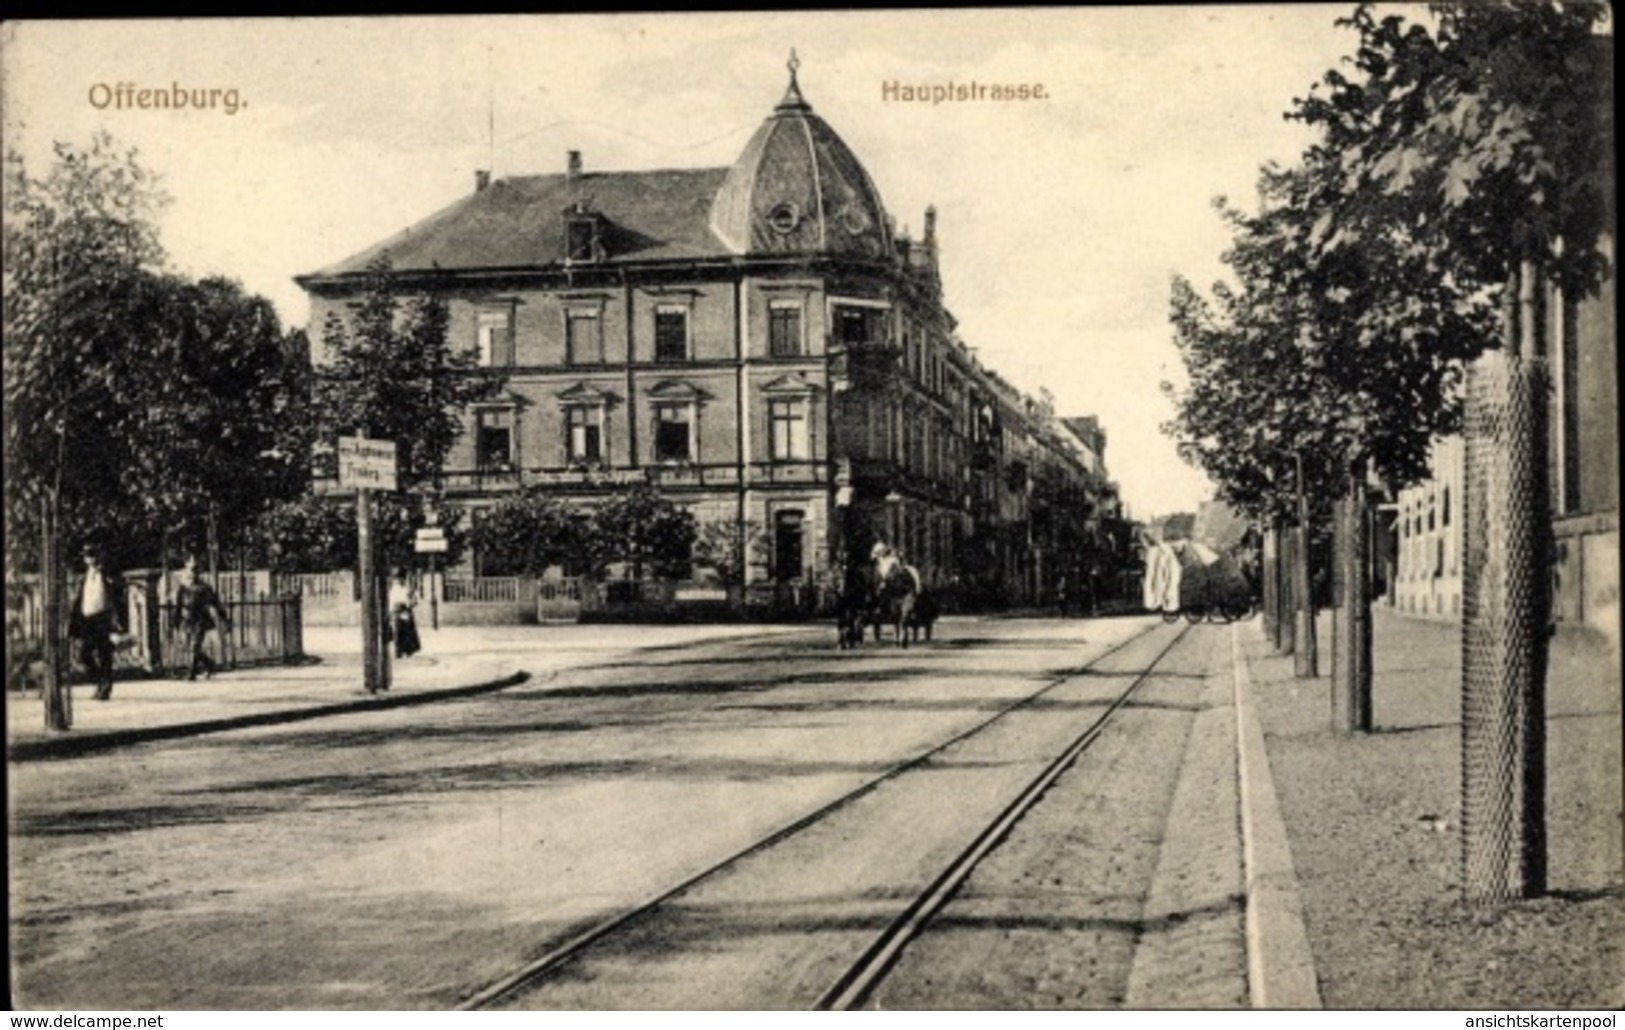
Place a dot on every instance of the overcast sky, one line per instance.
(1061, 220)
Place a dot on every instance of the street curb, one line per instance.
(75, 746)
(1280, 966)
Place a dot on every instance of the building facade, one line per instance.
(1583, 453)
(757, 342)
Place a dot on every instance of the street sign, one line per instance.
(430, 540)
(366, 464)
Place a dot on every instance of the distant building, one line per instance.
(760, 343)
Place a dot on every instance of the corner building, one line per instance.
(756, 341)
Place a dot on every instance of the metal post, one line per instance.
(434, 594)
(1506, 602)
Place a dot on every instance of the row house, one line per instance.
(757, 341)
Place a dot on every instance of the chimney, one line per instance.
(573, 170)
(930, 237)
(482, 179)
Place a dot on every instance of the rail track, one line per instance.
(855, 984)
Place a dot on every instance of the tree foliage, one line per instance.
(391, 374)
(642, 530)
(317, 533)
(728, 546)
(1488, 137)
(528, 533)
(1372, 271)
(141, 403)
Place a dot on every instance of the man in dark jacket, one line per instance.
(198, 611)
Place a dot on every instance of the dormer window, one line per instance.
(583, 241)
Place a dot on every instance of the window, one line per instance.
(493, 441)
(494, 338)
(581, 240)
(583, 338)
(789, 429)
(671, 333)
(674, 432)
(784, 329)
(852, 326)
(586, 428)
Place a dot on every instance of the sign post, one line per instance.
(366, 465)
(431, 540)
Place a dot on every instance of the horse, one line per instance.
(924, 618)
(896, 592)
(853, 605)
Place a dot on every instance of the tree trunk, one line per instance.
(1506, 604)
(1286, 605)
(1351, 662)
(1306, 661)
(1269, 575)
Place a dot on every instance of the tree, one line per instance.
(1492, 138)
(527, 534)
(641, 529)
(84, 227)
(728, 546)
(137, 402)
(1457, 171)
(143, 403)
(391, 374)
(317, 533)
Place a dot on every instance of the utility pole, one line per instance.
(371, 650)
(366, 464)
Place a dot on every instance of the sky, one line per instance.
(1061, 221)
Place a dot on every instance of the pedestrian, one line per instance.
(402, 601)
(198, 611)
(95, 620)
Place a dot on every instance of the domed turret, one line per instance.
(799, 189)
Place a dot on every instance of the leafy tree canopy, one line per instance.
(528, 533)
(643, 530)
(139, 402)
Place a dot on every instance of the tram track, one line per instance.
(852, 986)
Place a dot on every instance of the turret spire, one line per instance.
(793, 100)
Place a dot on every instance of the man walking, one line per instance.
(197, 611)
(95, 619)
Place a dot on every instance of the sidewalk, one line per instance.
(455, 662)
(1373, 822)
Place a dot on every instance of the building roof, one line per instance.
(797, 189)
(520, 222)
